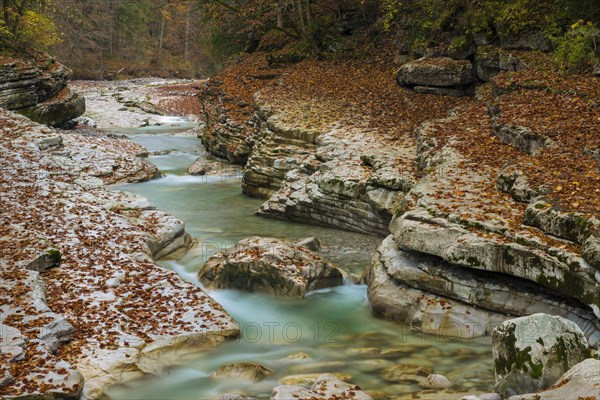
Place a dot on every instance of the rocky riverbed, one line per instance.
(479, 219)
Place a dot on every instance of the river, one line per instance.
(334, 328)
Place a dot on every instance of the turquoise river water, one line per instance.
(334, 327)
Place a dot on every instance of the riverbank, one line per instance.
(84, 304)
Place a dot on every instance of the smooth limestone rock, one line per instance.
(436, 381)
(488, 292)
(580, 382)
(424, 311)
(327, 386)
(271, 266)
(246, 371)
(531, 353)
(564, 273)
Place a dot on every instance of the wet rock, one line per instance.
(326, 386)
(311, 243)
(405, 372)
(378, 394)
(531, 353)
(364, 351)
(246, 371)
(203, 166)
(434, 394)
(298, 356)
(309, 379)
(234, 396)
(269, 265)
(425, 312)
(436, 381)
(580, 382)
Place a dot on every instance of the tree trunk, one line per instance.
(187, 33)
(162, 32)
(300, 13)
(280, 6)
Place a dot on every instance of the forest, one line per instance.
(192, 38)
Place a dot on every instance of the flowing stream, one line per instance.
(333, 328)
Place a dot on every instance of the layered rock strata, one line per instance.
(38, 89)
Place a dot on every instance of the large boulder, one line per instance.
(271, 266)
(438, 75)
(531, 353)
(580, 382)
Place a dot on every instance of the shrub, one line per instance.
(37, 31)
(576, 50)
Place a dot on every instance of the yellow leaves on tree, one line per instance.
(38, 31)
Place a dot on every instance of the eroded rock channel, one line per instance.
(425, 245)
